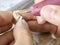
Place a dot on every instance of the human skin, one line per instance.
(8, 38)
(22, 33)
(5, 21)
(31, 20)
(51, 14)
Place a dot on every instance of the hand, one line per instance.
(5, 24)
(8, 38)
(22, 33)
(51, 14)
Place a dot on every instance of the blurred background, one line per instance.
(10, 5)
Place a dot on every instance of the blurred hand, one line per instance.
(51, 14)
(8, 38)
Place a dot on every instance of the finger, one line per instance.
(5, 18)
(51, 14)
(22, 25)
(27, 16)
(34, 26)
(12, 43)
(26, 37)
(5, 28)
(5, 21)
(46, 27)
(40, 20)
(6, 38)
(57, 33)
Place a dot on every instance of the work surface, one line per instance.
(45, 39)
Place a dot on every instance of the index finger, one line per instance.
(27, 15)
(5, 21)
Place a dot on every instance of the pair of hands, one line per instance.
(21, 30)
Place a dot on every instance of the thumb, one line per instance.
(21, 25)
(51, 14)
(22, 33)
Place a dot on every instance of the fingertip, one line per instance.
(40, 20)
